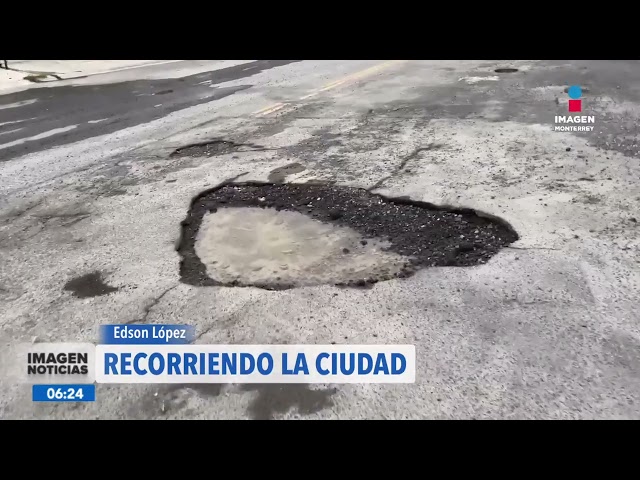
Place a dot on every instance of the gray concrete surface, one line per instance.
(548, 328)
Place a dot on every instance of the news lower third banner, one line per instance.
(146, 354)
(255, 364)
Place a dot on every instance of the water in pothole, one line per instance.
(263, 245)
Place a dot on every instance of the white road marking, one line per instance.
(131, 67)
(479, 79)
(17, 121)
(97, 121)
(10, 131)
(40, 136)
(19, 104)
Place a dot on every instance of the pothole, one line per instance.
(506, 70)
(279, 236)
(42, 77)
(214, 147)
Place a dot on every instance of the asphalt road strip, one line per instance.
(355, 77)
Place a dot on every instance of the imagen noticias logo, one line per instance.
(567, 123)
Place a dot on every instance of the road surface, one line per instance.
(92, 196)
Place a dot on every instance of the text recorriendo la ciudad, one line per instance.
(255, 364)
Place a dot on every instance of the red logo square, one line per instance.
(575, 105)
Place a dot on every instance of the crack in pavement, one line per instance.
(228, 320)
(24, 211)
(75, 220)
(151, 305)
(402, 165)
(46, 218)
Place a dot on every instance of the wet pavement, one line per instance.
(278, 249)
(92, 231)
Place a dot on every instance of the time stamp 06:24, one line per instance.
(64, 393)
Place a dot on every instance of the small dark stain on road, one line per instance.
(163, 92)
(114, 192)
(89, 285)
(281, 398)
(591, 199)
(506, 70)
(279, 174)
(270, 400)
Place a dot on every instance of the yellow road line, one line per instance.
(336, 83)
(360, 75)
(333, 85)
(349, 78)
(354, 77)
(273, 109)
(267, 109)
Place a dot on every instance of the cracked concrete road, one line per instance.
(548, 328)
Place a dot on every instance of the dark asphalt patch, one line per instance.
(280, 399)
(89, 285)
(214, 147)
(270, 399)
(427, 235)
(506, 70)
(278, 175)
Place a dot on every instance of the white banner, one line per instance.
(255, 364)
